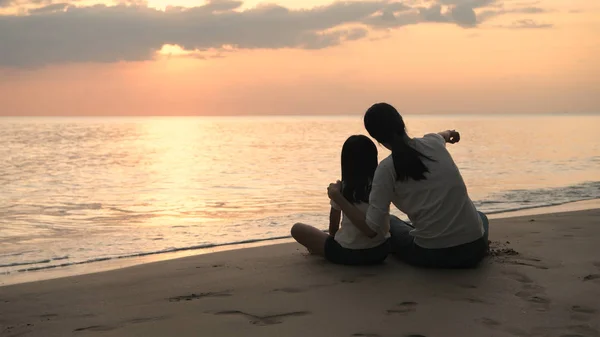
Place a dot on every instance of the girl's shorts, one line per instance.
(335, 253)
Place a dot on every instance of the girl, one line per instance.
(421, 179)
(352, 244)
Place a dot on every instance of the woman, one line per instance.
(421, 180)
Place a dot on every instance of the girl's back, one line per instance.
(349, 236)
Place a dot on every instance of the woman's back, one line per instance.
(439, 206)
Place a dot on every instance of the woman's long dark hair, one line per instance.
(359, 161)
(384, 123)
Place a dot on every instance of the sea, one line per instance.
(77, 191)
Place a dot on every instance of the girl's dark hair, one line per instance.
(359, 161)
(384, 123)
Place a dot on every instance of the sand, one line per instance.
(543, 279)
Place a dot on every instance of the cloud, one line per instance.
(8, 3)
(464, 15)
(468, 3)
(58, 33)
(50, 8)
(488, 14)
(526, 24)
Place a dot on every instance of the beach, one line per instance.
(158, 155)
(542, 279)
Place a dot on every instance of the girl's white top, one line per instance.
(349, 236)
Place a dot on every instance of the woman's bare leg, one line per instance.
(310, 237)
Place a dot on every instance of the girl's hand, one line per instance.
(334, 190)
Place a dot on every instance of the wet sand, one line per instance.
(542, 279)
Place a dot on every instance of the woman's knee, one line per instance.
(485, 221)
(483, 217)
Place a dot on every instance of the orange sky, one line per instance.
(421, 68)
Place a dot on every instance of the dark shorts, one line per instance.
(467, 255)
(335, 253)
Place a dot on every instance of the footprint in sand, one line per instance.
(365, 334)
(530, 292)
(579, 317)
(531, 297)
(190, 297)
(473, 300)
(591, 277)
(264, 320)
(537, 299)
(290, 290)
(95, 328)
(519, 277)
(144, 320)
(404, 308)
(100, 328)
(47, 317)
(491, 323)
(524, 263)
(534, 297)
(582, 309)
(584, 330)
(581, 313)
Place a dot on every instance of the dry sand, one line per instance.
(543, 279)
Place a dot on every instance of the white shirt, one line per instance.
(439, 207)
(349, 236)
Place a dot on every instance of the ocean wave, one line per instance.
(507, 210)
(503, 202)
(521, 199)
(17, 264)
(163, 251)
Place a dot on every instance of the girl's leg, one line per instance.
(310, 237)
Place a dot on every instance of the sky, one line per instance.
(298, 57)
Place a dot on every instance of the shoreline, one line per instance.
(130, 261)
(542, 278)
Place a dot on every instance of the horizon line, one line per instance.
(513, 114)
